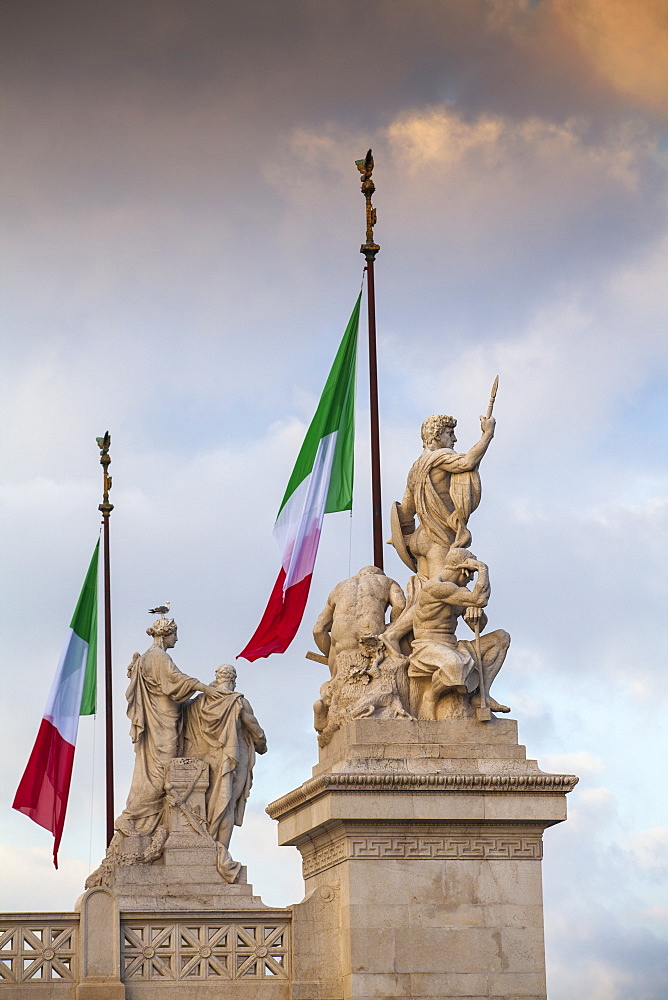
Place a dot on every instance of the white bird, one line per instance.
(163, 609)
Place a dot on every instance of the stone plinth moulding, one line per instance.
(421, 845)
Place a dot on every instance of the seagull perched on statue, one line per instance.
(163, 609)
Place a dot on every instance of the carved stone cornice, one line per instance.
(558, 784)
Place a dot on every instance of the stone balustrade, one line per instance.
(41, 955)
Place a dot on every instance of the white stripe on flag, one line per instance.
(64, 702)
(298, 526)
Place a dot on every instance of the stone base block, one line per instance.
(101, 991)
(182, 897)
(316, 991)
(422, 746)
(185, 877)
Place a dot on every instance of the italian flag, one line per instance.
(44, 788)
(321, 482)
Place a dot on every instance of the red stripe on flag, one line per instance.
(281, 619)
(45, 786)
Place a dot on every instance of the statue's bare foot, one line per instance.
(492, 704)
(496, 706)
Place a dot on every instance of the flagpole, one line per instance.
(106, 508)
(370, 249)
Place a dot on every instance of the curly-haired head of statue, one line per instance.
(433, 427)
(162, 627)
(226, 677)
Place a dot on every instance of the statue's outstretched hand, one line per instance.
(207, 689)
(488, 424)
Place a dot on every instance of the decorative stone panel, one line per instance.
(204, 949)
(43, 950)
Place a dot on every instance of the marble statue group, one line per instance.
(414, 666)
(216, 728)
(410, 666)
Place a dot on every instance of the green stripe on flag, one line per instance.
(340, 492)
(335, 412)
(84, 624)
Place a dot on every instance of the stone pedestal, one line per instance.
(174, 920)
(185, 876)
(421, 844)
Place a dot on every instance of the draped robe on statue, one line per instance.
(156, 689)
(223, 731)
(444, 517)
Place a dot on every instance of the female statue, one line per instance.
(157, 690)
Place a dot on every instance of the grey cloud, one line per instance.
(158, 187)
(308, 53)
(185, 221)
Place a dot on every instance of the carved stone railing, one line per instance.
(198, 947)
(39, 950)
(40, 954)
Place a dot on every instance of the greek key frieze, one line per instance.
(428, 848)
(450, 847)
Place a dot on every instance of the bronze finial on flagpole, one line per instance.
(106, 509)
(370, 249)
(365, 167)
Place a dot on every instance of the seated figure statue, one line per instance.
(449, 665)
(355, 613)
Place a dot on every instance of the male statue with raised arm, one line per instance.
(443, 489)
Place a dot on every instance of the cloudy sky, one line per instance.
(182, 230)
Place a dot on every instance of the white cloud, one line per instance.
(577, 762)
(31, 882)
(651, 848)
(600, 942)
